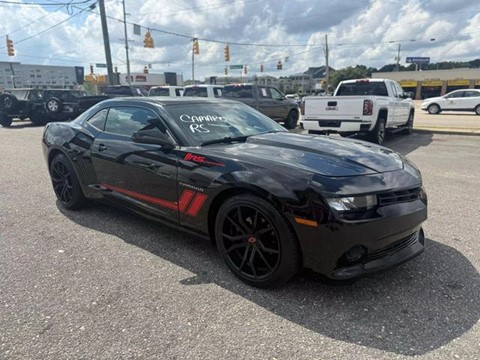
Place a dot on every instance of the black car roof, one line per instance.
(159, 100)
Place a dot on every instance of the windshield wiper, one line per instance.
(226, 140)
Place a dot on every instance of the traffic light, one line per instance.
(145, 69)
(261, 68)
(148, 41)
(10, 49)
(226, 71)
(196, 48)
(227, 53)
(279, 65)
(91, 69)
(245, 70)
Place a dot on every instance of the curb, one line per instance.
(447, 131)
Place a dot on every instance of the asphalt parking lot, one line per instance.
(106, 284)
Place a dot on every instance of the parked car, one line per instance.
(41, 106)
(368, 107)
(208, 91)
(458, 100)
(266, 99)
(114, 91)
(172, 91)
(271, 200)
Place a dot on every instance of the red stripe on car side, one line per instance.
(185, 199)
(197, 203)
(150, 199)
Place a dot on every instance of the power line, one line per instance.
(41, 4)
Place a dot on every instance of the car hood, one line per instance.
(321, 155)
(433, 99)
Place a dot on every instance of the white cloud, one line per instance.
(360, 32)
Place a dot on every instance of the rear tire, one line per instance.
(66, 184)
(54, 105)
(477, 110)
(291, 120)
(256, 242)
(377, 135)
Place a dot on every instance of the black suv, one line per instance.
(42, 106)
(267, 99)
(114, 91)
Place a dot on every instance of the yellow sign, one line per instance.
(458, 82)
(96, 79)
(408, 83)
(432, 83)
(477, 82)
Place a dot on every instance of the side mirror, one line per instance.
(408, 95)
(153, 136)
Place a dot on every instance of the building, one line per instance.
(430, 83)
(18, 75)
(319, 77)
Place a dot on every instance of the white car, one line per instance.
(211, 91)
(458, 100)
(171, 91)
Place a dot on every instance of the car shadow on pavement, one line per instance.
(410, 310)
(407, 144)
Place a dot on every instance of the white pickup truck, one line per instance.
(362, 106)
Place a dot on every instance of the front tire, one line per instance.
(5, 121)
(66, 184)
(291, 120)
(256, 242)
(477, 110)
(434, 109)
(409, 125)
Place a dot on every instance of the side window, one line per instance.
(457, 94)
(127, 120)
(399, 90)
(393, 88)
(98, 120)
(263, 92)
(277, 95)
(472, 94)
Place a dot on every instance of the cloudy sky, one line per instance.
(259, 32)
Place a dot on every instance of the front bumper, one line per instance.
(392, 238)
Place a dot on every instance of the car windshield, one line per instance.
(236, 91)
(204, 123)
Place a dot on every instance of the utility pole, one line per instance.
(398, 57)
(106, 42)
(193, 63)
(327, 68)
(129, 81)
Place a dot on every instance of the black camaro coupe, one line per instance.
(273, 201)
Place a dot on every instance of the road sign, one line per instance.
(418, 60)
(101, 65)
(233, 67)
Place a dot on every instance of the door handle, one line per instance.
(101, 147)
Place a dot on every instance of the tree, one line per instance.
(357, 72)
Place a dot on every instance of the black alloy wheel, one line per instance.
(256, 242)
(65, 183)
(291, 120)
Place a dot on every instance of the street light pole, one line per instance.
(106, 41)
(126, 44)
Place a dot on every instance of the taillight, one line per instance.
(367, 107)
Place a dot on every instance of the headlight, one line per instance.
(353, 203)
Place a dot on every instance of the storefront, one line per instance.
(431, 88)
(457, 84)
(477, 84)
(409, 85)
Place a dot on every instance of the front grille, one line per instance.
(396, 197)
(393, 248)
